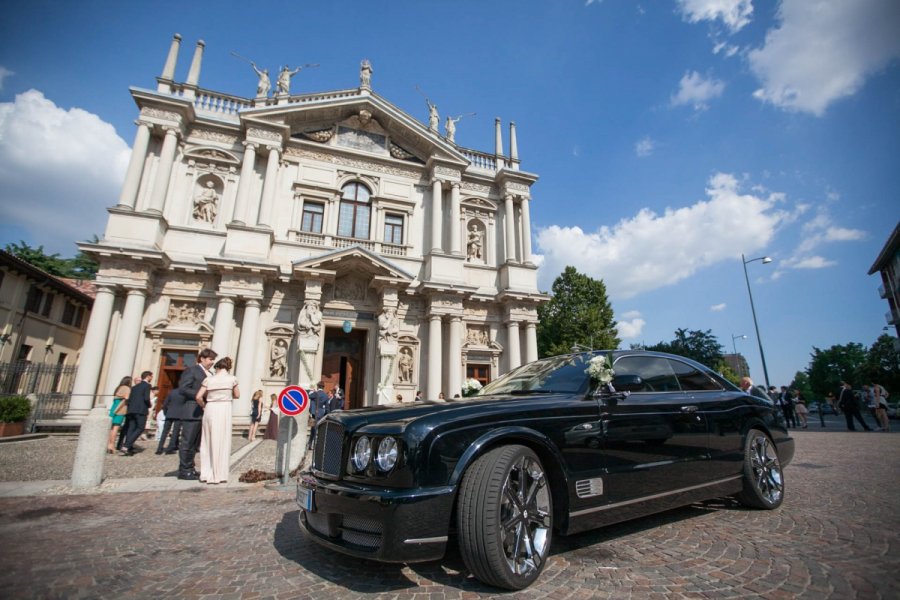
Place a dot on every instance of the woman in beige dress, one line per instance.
(215, 396)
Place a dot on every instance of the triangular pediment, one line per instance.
(356, 260)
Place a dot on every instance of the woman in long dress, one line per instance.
(272, 424)
(215, 396)
(256, 409)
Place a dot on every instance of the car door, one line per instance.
(655, 439)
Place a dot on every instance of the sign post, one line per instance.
(293, 402)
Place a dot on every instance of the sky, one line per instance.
(671, 138)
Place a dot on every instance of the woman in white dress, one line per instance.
(215, 397)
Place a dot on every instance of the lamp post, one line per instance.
(734, 347)
(762, 356)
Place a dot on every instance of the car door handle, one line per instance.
(689, 409)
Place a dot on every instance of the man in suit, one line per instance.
(319, 406)
(138, 409)
(190, 413)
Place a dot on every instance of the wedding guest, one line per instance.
(255, 413)
(272, 424)
(117, 411)
(215, 396)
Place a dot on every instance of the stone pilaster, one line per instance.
(92, 351)
(246, 360)
(268, 193)
(455, 247)
(435, 361)
(242, 201)
(221, 341)
(121, 362)
(437, 214)
(164, 171)
(132, 184)
(509, 218)
(454, 357)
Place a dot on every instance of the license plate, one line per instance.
(305, 499)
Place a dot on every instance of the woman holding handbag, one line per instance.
(117, 411)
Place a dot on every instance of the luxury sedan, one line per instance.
(555, 447)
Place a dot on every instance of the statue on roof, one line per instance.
(264, 85)
(365, 74)
(283, 86)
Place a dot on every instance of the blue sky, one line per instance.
(670, 137)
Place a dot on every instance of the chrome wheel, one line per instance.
(525, 517)
(763, 477)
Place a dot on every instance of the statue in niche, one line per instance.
(475, 244)
(278, 359)
(365, 73)
(405, 365)
(309, 321)
(205, 203)
(264, 85)
(388, 327)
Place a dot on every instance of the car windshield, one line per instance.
(555, 375)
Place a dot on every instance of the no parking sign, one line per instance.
(293, 400)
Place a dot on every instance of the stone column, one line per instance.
(526, 231)
(454, 220)
(498, 144)
(242, 202)
(437, 211)
(193, 77)
(514, 353)
(513, 146)
(531, 353)
(128, 197)
(164, 171)
(246, 360)
(168, 73)
(434, 357)
(124, 352)
(510, 219)
(92, 351)
(454, 357)
(221, 341)
(268, 193)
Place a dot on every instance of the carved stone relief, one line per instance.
(350, 162)
(321, 136)
(215, 136)
(264, 134)
(471, 186)
(477, 336)
(186, 312)
(350, 289)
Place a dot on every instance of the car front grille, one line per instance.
(363, 533)
(329, 448)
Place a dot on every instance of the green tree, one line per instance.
(802, 385)
(831, 366)
(578, 313)
(80, 267)
(882, 364)
(701, 346)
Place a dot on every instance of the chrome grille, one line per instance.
(329, 448)
(360, 531)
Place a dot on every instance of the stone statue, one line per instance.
(365, 74)
(284, 80)
(475, 243)
(309, 321)
(388, 327)
(264, 85)
(278, 359)
(450, 127)
(405, 364)
(205, 203)
(433, 118)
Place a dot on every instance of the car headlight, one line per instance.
(387, 454)
(362, 452)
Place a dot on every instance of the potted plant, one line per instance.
(13, 412)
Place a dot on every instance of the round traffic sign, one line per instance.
(293, 400)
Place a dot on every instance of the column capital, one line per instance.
(167, 129)
(273, 148)
(250, 145)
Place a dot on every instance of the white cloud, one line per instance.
(718, 307)
(651, 251)
(4, 73)
(816, 232)
(644, 147)
(697, 91)
(59, 170)
(824, 50)
(631, 325)
(733, 13)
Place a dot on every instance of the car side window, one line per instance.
(655, 372)
(693, 379)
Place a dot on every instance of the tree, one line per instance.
(701, 346)
(831, 366)
(80, 267)
(802, 385)
(882, 364)
(578, 313)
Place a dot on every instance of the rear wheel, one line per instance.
(763, 477)
(505, 517)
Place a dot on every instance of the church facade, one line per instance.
(327, 236)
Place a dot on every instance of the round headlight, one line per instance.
(387, 454)
(362, 451)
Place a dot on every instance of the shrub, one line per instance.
(14, 409)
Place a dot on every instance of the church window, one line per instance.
(313, 213)
(393, 229)
(355, 211)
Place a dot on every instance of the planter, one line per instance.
(9, 429)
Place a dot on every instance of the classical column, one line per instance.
(437, 211)
(531, 353)
(128, 197)
(526, 230)
(510, 218)
(221, 341)
(164, 171)
(193, 77)
(242, 202)
(121, 360)
(454, 220)
(498, 144)
(168, 73)
(91, 359)
(512, 348)
(268, 193)
(434, 357)
(246, 361)
(513, 146)
(454, 357)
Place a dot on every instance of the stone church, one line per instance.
(323, 236)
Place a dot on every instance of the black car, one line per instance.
(546, 449)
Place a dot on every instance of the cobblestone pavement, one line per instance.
(835, 536)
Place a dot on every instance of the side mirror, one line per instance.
(628, 383)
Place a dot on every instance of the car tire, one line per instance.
(763, 475)
(505, 517)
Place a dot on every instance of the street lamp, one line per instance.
(765, 260)
(734, 347)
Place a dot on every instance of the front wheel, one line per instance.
(763, 476)
(505, 517)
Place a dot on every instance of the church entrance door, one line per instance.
(343, 364)
(172, 363)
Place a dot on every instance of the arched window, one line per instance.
(355, 213)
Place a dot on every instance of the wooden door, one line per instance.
(172, 363)
(342, 364)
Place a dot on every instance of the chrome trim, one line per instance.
(585, 511)
(588, 488)
(431, 540)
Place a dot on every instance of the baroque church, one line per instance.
(314, 237)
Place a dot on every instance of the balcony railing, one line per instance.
(482, 160)
(329, 241)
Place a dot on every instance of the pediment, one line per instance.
(354, 260)
(164, 326)
(210, 154)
